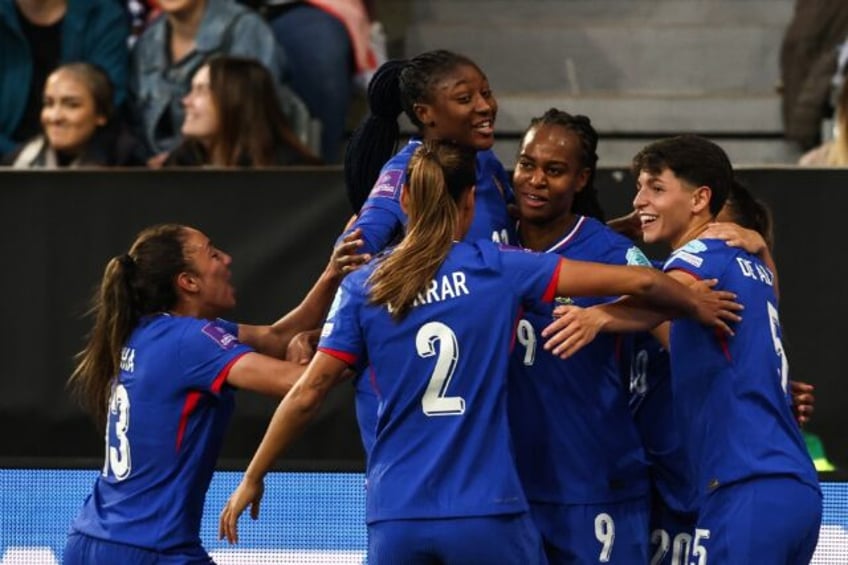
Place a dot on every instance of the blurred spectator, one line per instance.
(808, 59)
(834, 152)
(141, 13)
(77, 123)
(323, 76)
(179, 42)
(36, 36)
(233, 119)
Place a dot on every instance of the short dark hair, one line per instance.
(695, 159)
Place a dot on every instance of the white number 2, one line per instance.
(118, 458)
(774, 323)
(435, 402)
(605, 533)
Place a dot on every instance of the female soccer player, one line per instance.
(756, 489)
(160, 371)
(578, 453)
(434, 317)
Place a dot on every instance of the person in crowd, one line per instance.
(324, 78)
(36, 36)
(808, 59)
(80, 127)
(832, 153)
(756, 490)
(443, 415)
(160, 370)
(179, 42)
(233, 119)
(578, 452)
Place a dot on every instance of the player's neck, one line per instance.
(695, 228)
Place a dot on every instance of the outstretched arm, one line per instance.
(289, 420)
(575, 327)
(309, 314)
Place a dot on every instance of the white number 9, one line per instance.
(605, 533)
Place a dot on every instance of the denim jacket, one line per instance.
(157, 86)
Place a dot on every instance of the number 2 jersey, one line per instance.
(731, 404)
(168, 412)
(442, 447)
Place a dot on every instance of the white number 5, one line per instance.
(774, 323)
(435, 402)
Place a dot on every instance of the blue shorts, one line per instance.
(771, 519)
(613, 532)
(81, 549)
(479, 540)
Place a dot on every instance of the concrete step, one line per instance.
(659, 57)
(580, 12)
(618, 152)
(639, 114)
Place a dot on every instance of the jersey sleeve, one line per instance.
(381, 218)
(533, 276)
(691, 258)
(341, 335)
(207, 350)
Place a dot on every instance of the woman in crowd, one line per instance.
(233, 119)
(442, 373)
(79, 127)
(160, 370)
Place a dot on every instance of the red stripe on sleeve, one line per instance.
(340, 355)
(190, 404)
(695, 276)
(551, 291)
(193, 398)
(222, 376)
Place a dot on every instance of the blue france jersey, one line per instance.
(732, 408)
(651, 403)
(441, 444)
(169, 408)
(382, 221)
(575, 440)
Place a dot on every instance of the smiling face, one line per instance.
(201, 111)
(461, 109)
(667, 206)
(68, 114)
(211, 289)
(548, 174)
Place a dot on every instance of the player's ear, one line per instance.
(701, 197)
(187, 282)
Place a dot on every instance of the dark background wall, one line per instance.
(60, 228)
